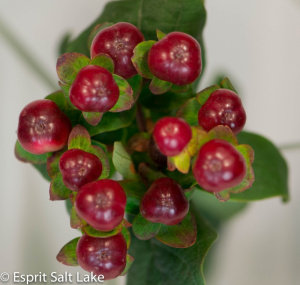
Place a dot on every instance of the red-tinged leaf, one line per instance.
(53, 162)
(129, 261)
(223, 133)
(103, 60)
(160, 35)
(159, 87)
(140, 58)
(189, 111)
(93, 118)
(136, 83)
(100, 153)
(67, 255)
(99, 234)
(58, 190)
(144, 229)
(75, 221)
(180, 236)
(79, 138)
(69, 64)
(203, 95)
(180, 88)
(126, 100)
(66, 90)
(126, 234)
(25, 156)
(226, 83)
(126, 224)
(96, 30)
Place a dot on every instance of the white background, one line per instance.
(257, 43)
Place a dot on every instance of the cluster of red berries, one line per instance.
(44, 128)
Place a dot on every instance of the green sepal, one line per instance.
(93, 118)
(140, 58)
(144, 229)
(75, 221)
(103, 60)
(53, 162)
(126, 234)
(79, 138)
(90, 231)
(180, 88)
(25, 156)
(182, 235)
(129, 261)
(126, 100)
(69, 64)
(65, 88)
(58, 190)
(203, 95)
(96, 30)
(189, 111)
(226, 83)
(101, 154)
(67, 255)
(160, 35)
(158, 87)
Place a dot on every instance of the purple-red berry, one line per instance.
(43, 127)
(94, 90)
(219, 165)
(118, 41)
(164, 202)
(176, 58)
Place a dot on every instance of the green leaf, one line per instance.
(69, 64)
(126, 100)
(203, 95)
(129, 261)
(226, 83)
(159, 264)
(93, 118)
(140, 58)
(189, 111)
(25, 156)
(182, 235)
(79, 138)
(58, 190)
(101, 154)
(144, 229)
(160, 35)
(75, 221)
(122, 162)
(100, 234)
(270, 169)
(159, 87)
(53, 162)
(67, 255)
(103, 60)
(126, 234)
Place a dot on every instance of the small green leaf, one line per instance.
(148, 173)
(101, 154)
(25, 156)
(126, 234)
(103, 60)
(96, 30)
(93, 118)
(144, 229)
(69, 64)
(129, 261)
(67, 255)
(189, 111)
(58, 190)
(223, 133)
(159, 87)
(99, 234)
(226, 83)
(75, 221)
(140, 58)
(160, 35)
(122, 162)
(79, 138)
(180, 88)
(53, 162)
(65, 89)
(203, 95)
(182, 235)
(126, 100)
(136, 83)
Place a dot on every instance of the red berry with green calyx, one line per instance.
(219, 166)
(43, 127)
(94, 90)
(176, 58)
(102, 204)
(172, 135)
(164, 202)
(78, 168)
(102, 256)
(118, 41)
(223, 107)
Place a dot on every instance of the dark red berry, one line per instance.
(164, 202)
(176, 58)
(219, 165)
(223, 107)
(43, 127)
(102, 256)
(156, 155)
(102, 204)
(172, 135)
(118, 41)
(94, 90)
(78, 168)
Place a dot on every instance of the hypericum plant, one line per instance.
(129, 103)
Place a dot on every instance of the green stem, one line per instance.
(25, 55)
(290, 146)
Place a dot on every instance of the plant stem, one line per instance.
(290, 146)
(25, 55)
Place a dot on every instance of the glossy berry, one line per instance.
(164, 202)
(94, 90)
(102, 256)
(223, 107)
(102, 204)
(176, 58)
(43, 127)
(171, 135)
(156, 155)
(118, 41)
(78, 168)
(219, 166)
